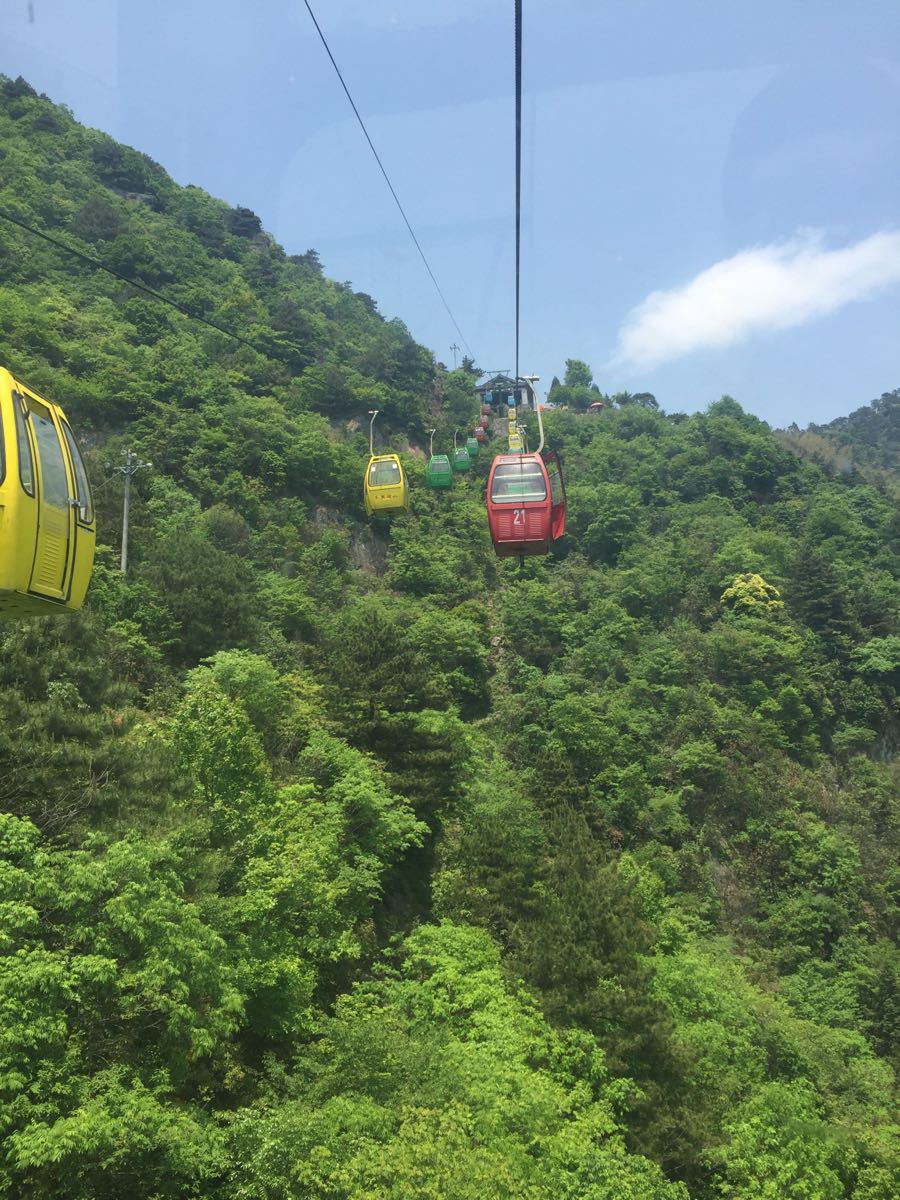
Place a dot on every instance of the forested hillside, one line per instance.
(343, 860)
(868, 440)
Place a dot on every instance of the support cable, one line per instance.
(98, 265)
(387, 180)
(518, 51)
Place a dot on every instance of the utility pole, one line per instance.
(455, 350)
(129, 468)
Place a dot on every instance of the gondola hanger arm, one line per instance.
(373, 413)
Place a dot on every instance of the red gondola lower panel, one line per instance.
(519, 531)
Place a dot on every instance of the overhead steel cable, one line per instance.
(518, 52)
(387, 180)
(99, 265)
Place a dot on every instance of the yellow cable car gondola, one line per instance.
(47, 524)
(385, 489)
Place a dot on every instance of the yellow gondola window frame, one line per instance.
(385, 466)
(84, 501)
(23, 446)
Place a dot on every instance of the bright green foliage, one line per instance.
(880, 658)
(750, 593)
(342, 859)
(577, 390)
(268, 698)
(780, 1150)
(578, 373)
(460, 1090)
(106, 961)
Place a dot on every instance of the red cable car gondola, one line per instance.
(486, 410)
(484, 422)
(480, 435)
(526, 501)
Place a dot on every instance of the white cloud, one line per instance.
(760, 290)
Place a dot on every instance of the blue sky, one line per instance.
(711, 191)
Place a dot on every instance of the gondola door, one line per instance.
(557, 494)
(51, 575)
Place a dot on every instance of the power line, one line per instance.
(98, 265)
(387, 180)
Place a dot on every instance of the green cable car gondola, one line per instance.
(461, 458)
(438, 471)
(472, 447)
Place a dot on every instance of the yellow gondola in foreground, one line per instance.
(47, 524)
(385, 489)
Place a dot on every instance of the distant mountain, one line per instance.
(868, 438)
